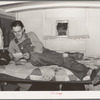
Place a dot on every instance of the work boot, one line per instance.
(95, 76)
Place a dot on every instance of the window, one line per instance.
(62, 28)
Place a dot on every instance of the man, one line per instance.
(33, 51)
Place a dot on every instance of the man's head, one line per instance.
(17, 28)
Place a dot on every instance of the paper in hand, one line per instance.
(17, 55)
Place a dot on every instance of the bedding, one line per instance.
(26, 70)
(44, 73)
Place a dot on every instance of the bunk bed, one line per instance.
(47, 75)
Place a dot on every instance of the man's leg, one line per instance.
(78, 69)
(49, 57)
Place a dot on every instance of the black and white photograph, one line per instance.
(49, 46)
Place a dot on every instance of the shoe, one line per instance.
(95, 76)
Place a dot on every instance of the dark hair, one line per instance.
(17, 23)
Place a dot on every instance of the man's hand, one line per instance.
(16, 59)
(26, 55)
(17, 56)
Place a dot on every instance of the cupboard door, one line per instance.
(5, 26)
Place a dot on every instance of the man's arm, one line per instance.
(38, 46)
(14, 51)
(11, 49)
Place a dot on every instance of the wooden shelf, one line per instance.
(68, 37)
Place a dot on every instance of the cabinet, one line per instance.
(5, 22)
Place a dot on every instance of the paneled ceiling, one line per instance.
(12, 6)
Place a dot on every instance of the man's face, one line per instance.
(18, 32)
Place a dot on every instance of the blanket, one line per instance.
(44, 73)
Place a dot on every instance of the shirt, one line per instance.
(38, 46)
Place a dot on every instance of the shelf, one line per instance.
(68, 37)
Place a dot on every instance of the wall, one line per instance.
(77, 19)
(33, 21)
(92, 44)
(42, 22)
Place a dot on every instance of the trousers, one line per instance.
(50, 57)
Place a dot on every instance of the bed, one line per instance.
(48, 75)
